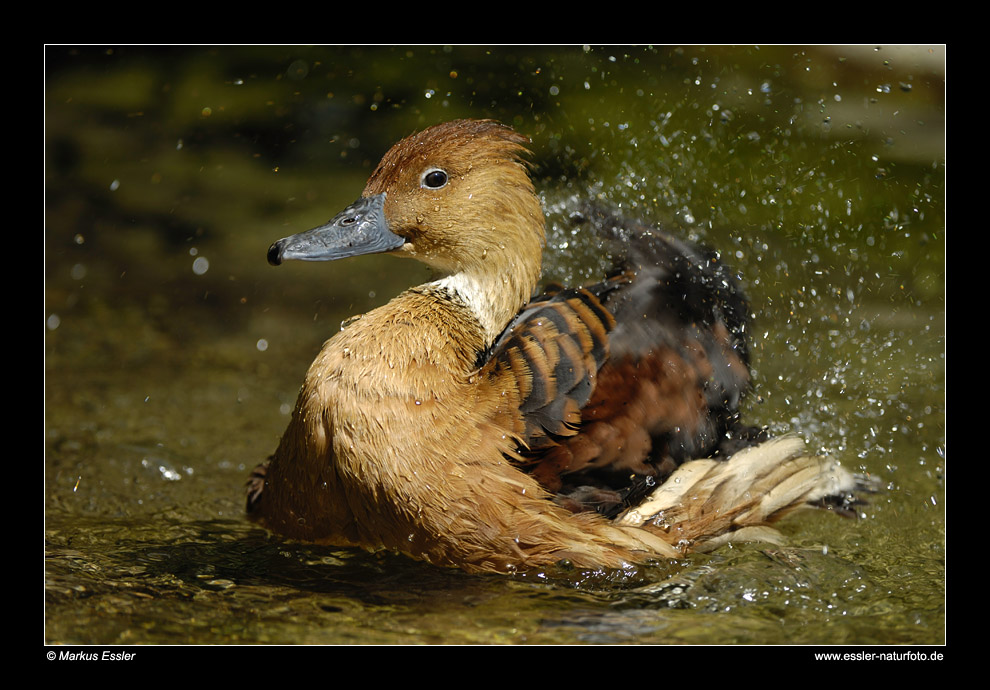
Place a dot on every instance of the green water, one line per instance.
(173, 352)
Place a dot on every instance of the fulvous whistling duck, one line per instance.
(466, 423)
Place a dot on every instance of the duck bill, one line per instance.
(358, 229)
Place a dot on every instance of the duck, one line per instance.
(475, 422)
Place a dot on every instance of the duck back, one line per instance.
(630, 377)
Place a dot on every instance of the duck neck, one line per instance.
(493, 297)
(498, 268)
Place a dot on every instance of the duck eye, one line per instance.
(434, 179)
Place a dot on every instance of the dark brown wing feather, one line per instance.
(555, 348)
(624, 380)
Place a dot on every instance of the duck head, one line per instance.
(457, 197)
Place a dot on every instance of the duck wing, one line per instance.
(622, 381)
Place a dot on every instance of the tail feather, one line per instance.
(706, 503)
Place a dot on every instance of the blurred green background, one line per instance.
(173, 352)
